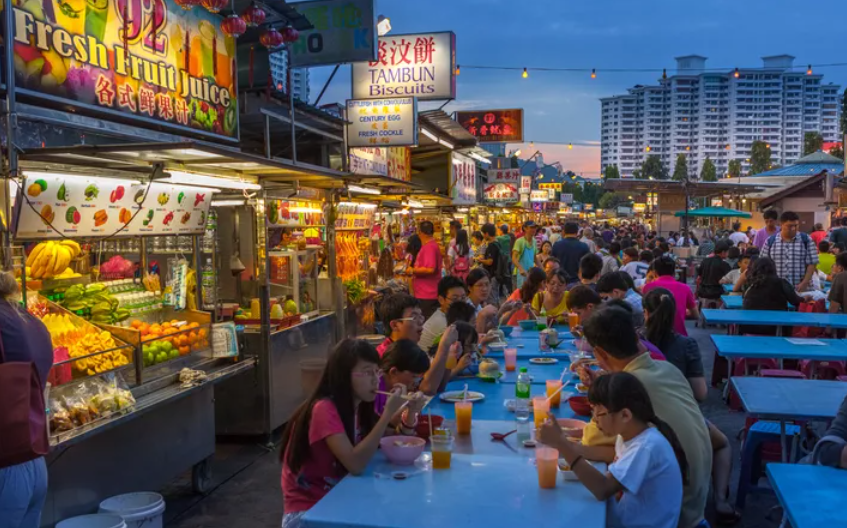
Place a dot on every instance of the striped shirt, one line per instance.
(791, 257)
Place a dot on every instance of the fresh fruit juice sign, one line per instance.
(148, 59)
(97, 207)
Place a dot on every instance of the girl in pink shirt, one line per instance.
(336, 431)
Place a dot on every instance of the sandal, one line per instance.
(727, 518)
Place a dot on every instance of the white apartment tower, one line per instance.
(718, 115)
(299, 76)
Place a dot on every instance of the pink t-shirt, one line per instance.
(321, 471)
(426, 286)
(682, 294)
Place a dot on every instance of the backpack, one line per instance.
(461, 266)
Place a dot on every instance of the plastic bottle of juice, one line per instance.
(522, 399)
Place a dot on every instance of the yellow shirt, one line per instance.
(825, 262)
(560, 310)
(673, 403)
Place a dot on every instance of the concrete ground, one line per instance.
(245, 488)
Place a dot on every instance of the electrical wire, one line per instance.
(645, 70)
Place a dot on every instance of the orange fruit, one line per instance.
(183, 350)
(166, 325)
(155, 329)
(192, 337)
(136, 324)
(201, 333)
(193, 325)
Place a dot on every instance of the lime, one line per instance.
(149, 358)
(174, 354)
(166, 346)
(161, 357)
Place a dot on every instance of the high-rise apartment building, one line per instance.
(718, 115)
(299, 76)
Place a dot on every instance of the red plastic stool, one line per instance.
(841, 378)
(828, 370)
(748, 367)
(781, 373)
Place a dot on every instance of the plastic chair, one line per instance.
(782, 373)
(758, 448)
(748, 367)
(827, 370)
(841, 378)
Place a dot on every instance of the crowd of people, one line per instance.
(663, 455)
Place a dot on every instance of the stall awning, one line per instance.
(695, 189)
(192, 156)
(715, 212)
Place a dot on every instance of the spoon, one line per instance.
(500, 437)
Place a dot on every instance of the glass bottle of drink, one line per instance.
(522, 398)
(208, 278)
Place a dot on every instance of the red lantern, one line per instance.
(214, 5)
(253, 15)
(290, 34)
(271, 38)
(233, 26)
(187, 4)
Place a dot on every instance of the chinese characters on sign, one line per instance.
(382, 122)
(550, 186)
(512, 176)
(394, 162)
(526, 184)
(501, 192)
(566, 198)
(463, 180)
(421, 65)
(148, 59)
(344, 31)
(497, 126)
(538, 196)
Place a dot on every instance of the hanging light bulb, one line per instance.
(458, 70)
(570, 146)
(593, 73)
(647, 148)
(736, 74)
(532, 144)
(525, 73)
(809, 71)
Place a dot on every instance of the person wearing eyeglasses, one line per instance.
(450, 289)
(401, 319)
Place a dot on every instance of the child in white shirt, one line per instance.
(643, 485)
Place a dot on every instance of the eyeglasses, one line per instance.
(457, 299)
(370, 373)
(417, 317)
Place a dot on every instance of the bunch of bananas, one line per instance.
(51, 259)
(94, 303)
(92, 342)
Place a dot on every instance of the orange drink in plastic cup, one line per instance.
(546, 462)
(442, 451)
(511, 356)
(463, 417)
(540, 408)
(552, 387)
(573, 320)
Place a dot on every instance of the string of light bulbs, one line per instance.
(736, 71)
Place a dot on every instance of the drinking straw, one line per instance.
(550, 398)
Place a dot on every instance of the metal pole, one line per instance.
(291, 107)
(268, 137)
(326, 85)
(345, 152)
(336, 288)
(11, 125)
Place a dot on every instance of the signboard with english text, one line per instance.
(382, 122)
(419, 65)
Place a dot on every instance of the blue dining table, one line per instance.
(735, 302)
(785, 399)
(539, 373)
(774, 318)
(812, 496)
(517, 333)
(492, 407)
(734, 347)
(477, 490)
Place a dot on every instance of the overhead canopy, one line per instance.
(695, 189)
(715, 212)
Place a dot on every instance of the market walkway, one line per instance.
(246, 481)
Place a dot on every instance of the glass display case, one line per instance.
(294, 281)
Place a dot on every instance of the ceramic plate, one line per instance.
(543, 361)
(454, 396)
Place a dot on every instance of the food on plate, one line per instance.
(36, 188)
(100, 218)
(403, 443)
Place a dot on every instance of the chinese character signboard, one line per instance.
(149, 60)
(526, 184)
(394, 162)
(494, 126)
(566, 198)
(463, 180)
(538, 196)
(510, 176)
(588, 207)
(345, 31)
(421, 65)
(501, 192)
(550, 186)
(382, 122)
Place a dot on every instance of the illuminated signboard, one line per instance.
(421, 65)
(344, 31)
(382, 122)
(493, 126)
(149, 60)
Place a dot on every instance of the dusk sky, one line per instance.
(564, 107)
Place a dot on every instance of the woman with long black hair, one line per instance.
(460, 256)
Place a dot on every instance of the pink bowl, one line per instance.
(575, 426)
(405, 454)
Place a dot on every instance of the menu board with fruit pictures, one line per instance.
(77, 206)
(355, 216)
(294, 213)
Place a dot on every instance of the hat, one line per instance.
(528, 223)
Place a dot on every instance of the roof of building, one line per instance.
(810, 165)
(789, 190)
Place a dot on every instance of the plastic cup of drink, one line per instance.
(553, 386)
(511, 355)
(546, 462)
(442, 450)
(540, 408)
(464, 410)
(573, 320)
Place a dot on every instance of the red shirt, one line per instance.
(817, 236)
(321, 471)
(382, 347)
(682, 294)
(426, 286)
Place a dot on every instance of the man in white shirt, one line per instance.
(738, 237)
(450, 289)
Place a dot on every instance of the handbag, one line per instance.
(23, 419)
